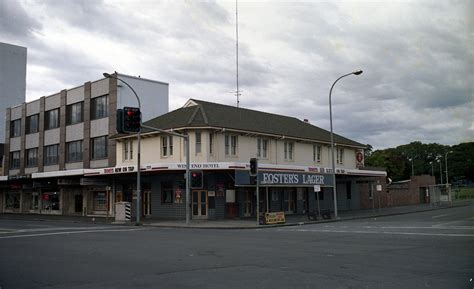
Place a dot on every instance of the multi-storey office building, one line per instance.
(12, 83)
(51, 143)
(293, 155)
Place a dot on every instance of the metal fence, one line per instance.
(440, 194)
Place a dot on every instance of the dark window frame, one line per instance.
(31, 161)
(99, 109)
(73, 116)
(32, 124)
(15, 128)
(52, 159)
(97, 154)
(51, 122)
(15, 160)
(74, 151)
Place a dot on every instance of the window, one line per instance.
(340, 156)
(100, 107)
(51, 154)
(15, 160)
(12, 200)
(289, 146)
(32, 157)
(167, 145)
(51, 119)
(262, 148)
(32, 124)
(74, 113)
(100, 201)
(128, 149)
(211, 143)
(99, 148)
(198, 142)
(15, 128)
(74, 151)
(230, 145)
(317, 153)
(166, 193)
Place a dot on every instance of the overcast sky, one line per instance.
(417, 58)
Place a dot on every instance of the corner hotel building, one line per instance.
(293, 157)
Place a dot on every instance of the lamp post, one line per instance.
(432, 168)
(446, 162)
(440, 171)
(358, 72)
(412, 169)
(107, 75)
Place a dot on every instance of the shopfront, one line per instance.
(289, 192)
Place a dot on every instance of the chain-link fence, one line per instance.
(440, 194)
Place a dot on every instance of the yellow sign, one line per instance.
(275, 218)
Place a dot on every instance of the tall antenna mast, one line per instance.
(237, 92)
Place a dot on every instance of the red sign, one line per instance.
(359, 158)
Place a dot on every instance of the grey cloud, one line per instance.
(14, 21)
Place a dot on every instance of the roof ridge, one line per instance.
(248, 109)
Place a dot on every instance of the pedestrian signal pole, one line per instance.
(254, 173)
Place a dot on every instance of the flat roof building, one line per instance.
(12, 79)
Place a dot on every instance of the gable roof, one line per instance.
(198, 113)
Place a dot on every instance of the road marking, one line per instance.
(440, 216)
(432, 227)
(69, 232)
(382, 232)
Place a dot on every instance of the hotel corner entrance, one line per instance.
(199, 198)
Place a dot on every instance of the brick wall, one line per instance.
(409, 192)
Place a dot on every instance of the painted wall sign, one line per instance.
(303, 179)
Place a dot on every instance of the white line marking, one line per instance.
(385, 232)
(70, 232)
(439, 216)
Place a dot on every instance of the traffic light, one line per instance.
(196, 180)
(119, 121)
(253, 167)
(131, 119)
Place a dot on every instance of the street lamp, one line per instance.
(440, 170)
(358, 72)
(432, 168)
(412, 169)
(446, 162)
(107, 75)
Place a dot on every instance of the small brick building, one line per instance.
(408, 192)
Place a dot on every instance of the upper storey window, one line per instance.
(15, 128)
(100, 107)
(32, 123)
(262, 148)
(51, 119)
(230, 145)
(74, 113)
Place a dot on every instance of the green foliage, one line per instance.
(464, 193)
(426, 159)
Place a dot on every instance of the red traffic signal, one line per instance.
(132, 119)
(197, 181)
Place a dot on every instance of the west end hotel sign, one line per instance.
(302, 179)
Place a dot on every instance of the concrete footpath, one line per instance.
(244, 223)
(298, 220)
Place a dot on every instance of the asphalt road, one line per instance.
(424, 250)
